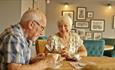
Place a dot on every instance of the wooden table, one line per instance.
(104, 63)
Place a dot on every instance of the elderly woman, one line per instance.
(65, 42)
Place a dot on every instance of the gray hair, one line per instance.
(66, 19)
(32, 14)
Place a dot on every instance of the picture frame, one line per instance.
(81, 13)
(73, 30)
(90, 14)
(69, 13)
(81, 33)
(81, 24)
(97, 25)
(97, 35)
(73, 26)
(113, 22)
(88, 36)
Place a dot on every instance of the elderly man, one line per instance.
(15, 53)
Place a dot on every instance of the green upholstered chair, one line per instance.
(110, 41)
(94, 47)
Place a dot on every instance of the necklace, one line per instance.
(65, 40)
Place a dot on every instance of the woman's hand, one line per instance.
(64, 53)
(68, 56)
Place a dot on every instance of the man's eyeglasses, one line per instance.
(42, 27)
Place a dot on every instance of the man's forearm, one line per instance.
(35, 66)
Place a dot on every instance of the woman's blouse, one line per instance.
(56, 45)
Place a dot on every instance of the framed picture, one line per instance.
(73, 30)
(97, 25)
(113, 22)
(69, 13)
(97, 35)
(81, 13)
(88, 35)
(90, 14)
(73, 26)
(81, 33)
(83, 24)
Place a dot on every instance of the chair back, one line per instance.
(40, 44)
(94, 47)
(110, 41)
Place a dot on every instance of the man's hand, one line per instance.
(39, 57)
(50, 60)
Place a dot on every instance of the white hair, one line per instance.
(32, 14)
(66, 20)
